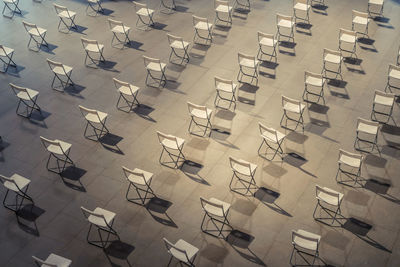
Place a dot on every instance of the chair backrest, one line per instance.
(319, 189)
(327, 51)
(60, 9)
(350, 155)
(192, 107)
(312, 74)
(205, 202)
(261, 35)
(18, 89)
(47, 142)
(148, 60)
(219, 80)
(43, 263)
(53, 64)
(244, 56)
(86, 42)
(393, 67)
(86, 111)
(234, 162)
(175, 251)
(197, 19)
(119, 83)
(221, 3)
(301, 1)
(264, 129)
(385, 95)
(304, 237)
(348, 32)
(2, 48)
(29, 26)
(368, 122)
(173, 38)
(286, 99)
(280, 17)
(112, 23)
(5, 179)
(128, 172)
(161, 136)
(139, 6)
(88, 213)
(356, 13)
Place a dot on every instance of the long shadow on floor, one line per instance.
(157, 207)
(118, 250)
(27, 216)
(240, 242)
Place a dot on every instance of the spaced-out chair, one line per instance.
(128, 93)
(182, 251)
(120, 32)
(349, 165)
(67, 17)
(305, 243)
(244, 172)
(140, 180)
(375, 7)
(201, 113)
(329, 58)
(28, 97)
(348, 41)
(361, 21)
(223, 12)
(95, 6)
(173, 146)
(242, 4)
(97, 120)
(225, 88)
(202, 30)
(292, 106)
(154, 65)
(217, 213)
(272, 138)
(285, 23)
(19, 185)
(302, 7)
(266, 41)
(12, 6)
(327, 197)
(383, 105)
(36, 34)
(313, 80)
(145, 16)
(367, 132)
(393, 76)
(60, 70)
(248, 66)
(167, 8)
(6, 55)
(103, 220)
(59, 150)
(93, 47)
(52, 260)
(178, 44)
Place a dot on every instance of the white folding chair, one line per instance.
(360, 22)
(97, 120)
(119, 30)
(6, 55)
(128, 93)
(329, 58)
(36, 34)
(60, 70)
(223, 12)
(182, 251)
(12, 6)
(154, 65)
(65, 16)
(201, 113)
(266, 41)
(225, 87)
(305, 243)
(243, 5)
(177, 44)
(302, 7)
(375, 7)
(272, 138)
(93, 47)
(28, 97)
(173, 146)
(327, 197)
(103, 220)
(202, 30)
(140, 180)
(393, 79)
(19, 186)
(292, 106)
(167, 8)
(53, 260)
(367, 132)
(217, 212)
(285, 23)
(348, 41)
(248, 63)
(383, 105)
(145, 16)
(95, 6)
(244, 172)
(349, 165)
(59, 150)
(313, 80)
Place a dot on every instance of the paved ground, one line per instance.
(58, 225)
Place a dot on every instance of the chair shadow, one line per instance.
(381, 186)
(71, 177)
(159, 26)
(157, 206)
(270, 65)
(383, 22)
(79, 29)
(367, 44)
(108, 65)
(351, 63)
(143, 111)
(297, 161)
(14, 71)
(110, 142)
(120, 250)
(375, 161)
(320, 9)
(27, 216)
(248, 89)
(191, 169)
(220, 135)
(49, 49)
(287, 45)
(135, 45)
(305, 28)
(75, 90)
(3, 145)
(38, 118)
(268, 198)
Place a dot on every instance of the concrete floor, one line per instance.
(58, 226)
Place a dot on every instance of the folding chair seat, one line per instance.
(152, 66)
(119, 29)
(360, 22)
(329, 58)
(285, 23)
(145, 16)
(53, 260)
(223, 12)
(36, 34)
(202, 30)
(93, 47)
(327, 197)
(140, 180)
(182, 251)
(103, 221)
(95, 6)
(266, 41)
(383, 105)
(167, 8)
(375, 7)
(225, 87)
(292, 106)
(393, 81)
(272, 138)
(173, 146)
(348, 41)
(349, 165)
(128, 93)
(60, 71)
(239, 4)
(367, 132)
(12, 6)
(201, 113)
(305, 243)
(217, 213)
(313, 80)
(6, 55)
(97, 120)
(28, 97)
(177, 44)
(19, 186)
(302, 7)
(59, 150)
(244, 172)
(65, 16)
(248, 63)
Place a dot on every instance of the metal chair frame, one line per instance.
(371, 13)
(130, 102)
(100, 52)
(228, 20)
(360, 14)
(103, 128)
(8, 57)
(30, 104)
(207, 126)
(388, 85)
(96, 7)
(375, 105)
(248, 184)
(197, 34)
(20, 193)
(261, 52)
(306, 91)
(348, 173)
(374, 143)
(179, 156)
(162, 81)
(150, 13)
(278, 148)
(326, 209)
(167, 9)
(112, 23)
(279, 33)
(300, 250)
(64, 159)
(218, 96)
(185, 56)
(298, 121)
(307, 17)
(138, 187)
(338, 72)
(242, 69)
(64, 84)
(188, 262)
(12, 10)
(71, 18)
(353, 51)
(239, 5)
(215, 220)
(40, 42)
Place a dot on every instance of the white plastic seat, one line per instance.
(224, 89)
(330, 197)
(97, 120)
(19, 185)
(12, 6)
(285, 23)
(67, 17)
(202, 29)
(382, 104)
(347, 41)
(271, 137)
(182, 251)
(155, 65)
(36, 34)
(375, 7)
(59, 150)
(248, 66)
(223, 12)
(53, 260)
(95, 6)
(313, 80)
(141, 181)
(128, 92)
(145, 16)
(198, 112)
(118, 28)
(93, 47)
(367, 132)
(266, 41)
(28, 98)
(306, 243)
(393, 79)
(178, 44)
(173, 146)
(349, 165)
(293, 106)
(6, 55)
(332, 57)
(217, 212)
(361, 21)
(244, 172)
(60, 70)
(301, 6)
